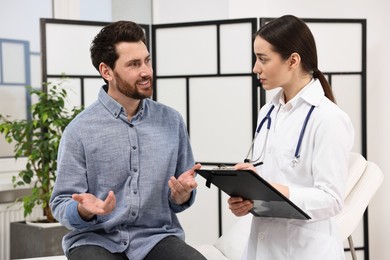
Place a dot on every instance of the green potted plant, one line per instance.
(38, 139)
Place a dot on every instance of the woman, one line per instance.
(310, 170)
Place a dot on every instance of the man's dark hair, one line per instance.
(103, 46)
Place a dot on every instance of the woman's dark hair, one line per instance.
(103, 46)
(288, 34)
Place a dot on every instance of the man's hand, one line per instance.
(89, 205)
(181, 187)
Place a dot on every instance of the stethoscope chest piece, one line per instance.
(294, 162)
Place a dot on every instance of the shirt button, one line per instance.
(131, 125)
(133, 214)
(135, 170)
(134, 147)
(135, 192)
(125, 243)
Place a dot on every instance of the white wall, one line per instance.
(169, 11)
(18, 22)
(139, 11)
(90, 10)
(378, 64)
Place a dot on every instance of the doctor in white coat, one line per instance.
(304, 151)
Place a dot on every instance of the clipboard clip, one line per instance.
(209, 180)
(224, 167)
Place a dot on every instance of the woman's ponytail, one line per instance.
(317, 74)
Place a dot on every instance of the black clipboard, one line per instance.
(268, 202)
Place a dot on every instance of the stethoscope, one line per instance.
(259, 160)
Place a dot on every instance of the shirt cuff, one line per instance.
(179, 208)
(75, 219)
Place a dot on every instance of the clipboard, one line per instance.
(268, 201)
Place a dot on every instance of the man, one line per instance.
(125, 165)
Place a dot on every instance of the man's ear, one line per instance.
(105, 71)
(294, 60)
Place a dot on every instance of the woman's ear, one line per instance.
(294, 60)
(105, 71)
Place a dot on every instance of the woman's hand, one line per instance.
(280, 187)
(239, 206)
(245, 166)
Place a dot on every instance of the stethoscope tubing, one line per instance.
(298, 148)
(267, 119)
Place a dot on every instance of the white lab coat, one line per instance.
(316, 183)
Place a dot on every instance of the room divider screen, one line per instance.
(204, 70)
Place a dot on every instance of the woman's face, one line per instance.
(270, 68)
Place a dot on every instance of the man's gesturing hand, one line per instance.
(90, 206)
(181, 187)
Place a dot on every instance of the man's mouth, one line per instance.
(144, 83)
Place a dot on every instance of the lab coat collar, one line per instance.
(312, 94)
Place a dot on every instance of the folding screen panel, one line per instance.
(341, 47)
(208, 65)
(204, 70)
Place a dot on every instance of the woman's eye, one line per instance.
(262, 60)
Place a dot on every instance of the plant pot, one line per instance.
(29, 241)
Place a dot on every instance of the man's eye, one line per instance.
(134, 64)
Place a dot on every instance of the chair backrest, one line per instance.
(232, 243)
(364, 179)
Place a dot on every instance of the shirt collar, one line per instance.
(114, 107)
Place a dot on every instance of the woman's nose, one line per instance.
(256, 69)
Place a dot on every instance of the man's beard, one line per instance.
(132, 91)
